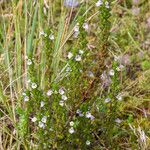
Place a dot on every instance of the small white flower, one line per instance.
(78, 111)
(88, 115)
(119, 97)
(88, 142)
(92, 117)
(86, 26)
(78, 58)
(34, 119)
(49, 92)
(51, 37)
(61, 103)
(81, 115)
(51, 129)
(44, 119)
(106, 4)
(41, 33)
(64, 97)
(99, 3)
(29, 62)
(26, 98)
(75, 35)
(81, 51)
(41, 124)
(24, 94)
(68, 69)
(71, 123)
(116, 58)
(70, 55)
(107, 100)
(71, 130)
(111, 72)
(76, 28)
(61, 91)
(117, 120)
(34, 85)
(120, 68)
(42, 104)
(90, 74)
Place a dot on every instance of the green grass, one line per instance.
(115, 36)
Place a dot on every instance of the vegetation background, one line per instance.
(74, 75)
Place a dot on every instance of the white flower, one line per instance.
(119, 97)
(81, 51)
(75, 35)
(76, 28)
(61, 103)
(107, 100)
(70, 55)
(34, 85)
(24, 94)
(106, 4)
(68, 69)
(116, 58)
(42, 104)
(51, 37)
(79, 112)
(88, 142)
(64, 97)
(26, 98)
(81, 115)
(49, 92)
(44, 119)
(71, 123)
(111, 72)
(117, 120)
(92, 117)
(71, 130)
(34, 119)
(29, 62)
(78, 58)
(42, 33)
(90, 74)
(71, 3)
(88, 114)
(61, 91)
(99, 3)
(86, 26)
(51, 129)
(120, 68)
(41, 124)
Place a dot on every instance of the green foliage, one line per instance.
(73, 78)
